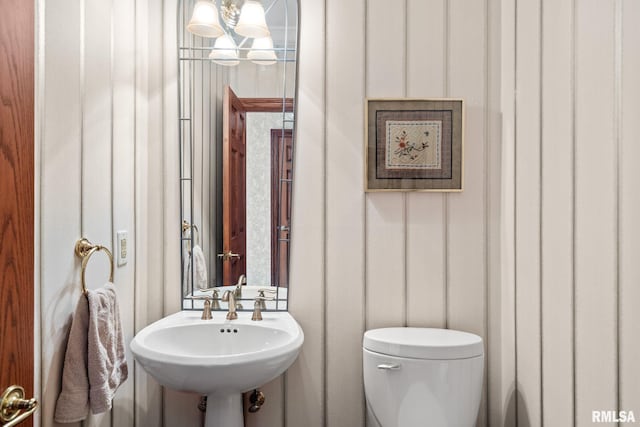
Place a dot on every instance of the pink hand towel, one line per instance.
(73, 402)
(107, 364)
(95, 363)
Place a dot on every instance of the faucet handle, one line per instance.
(260, 300)
(211, 302)
(257, 309)
(268, 290)
(215, 297)
(206, 312)
(258, 306)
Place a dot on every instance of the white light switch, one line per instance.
(122, 247)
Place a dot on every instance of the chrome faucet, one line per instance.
(229, 297)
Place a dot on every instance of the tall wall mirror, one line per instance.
(237, 87)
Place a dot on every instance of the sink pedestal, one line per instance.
(224, 411)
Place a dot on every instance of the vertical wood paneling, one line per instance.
(305, 380)
(466, 211)
(96, 147)
(557, 213)
(96, 131)
(385, 212)
(596, 216)
(244, 79)
(589, 239)
(60, 190)
(123, 140)
(206, 232)
(198, 122)
(96, 197)
(503, 405)
(629, 234)
(528, 228)
(426, 283)
(497, 365)
(177, 408)
(149, 276)
(345, 211)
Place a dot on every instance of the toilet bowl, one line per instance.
(422, 377)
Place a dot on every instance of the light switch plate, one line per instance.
(121, 249)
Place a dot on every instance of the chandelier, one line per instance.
(246, 18)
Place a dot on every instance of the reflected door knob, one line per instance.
(12, 405)
(228, 255)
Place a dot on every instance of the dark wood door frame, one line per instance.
(281, 171)
(234, 212)
(17, 53)
(234, 114)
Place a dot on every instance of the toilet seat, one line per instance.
(423, 343)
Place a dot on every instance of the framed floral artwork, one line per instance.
(414, 144)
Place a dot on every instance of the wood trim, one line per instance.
(278, 277)
(17, 202)
(266, 105)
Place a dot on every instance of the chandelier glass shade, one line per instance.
(225, 51)
(245, 18)
(252, 22)
(262, 51)
(204, 21)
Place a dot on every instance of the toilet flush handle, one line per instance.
(389, 366)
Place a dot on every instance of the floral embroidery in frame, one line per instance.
(413, 144)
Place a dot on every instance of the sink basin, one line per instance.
(218, 358)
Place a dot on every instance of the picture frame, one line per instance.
(414, 145)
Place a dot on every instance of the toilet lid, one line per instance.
(423, 343)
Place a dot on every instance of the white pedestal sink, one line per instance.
(218, 358)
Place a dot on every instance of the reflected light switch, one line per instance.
(121, 248)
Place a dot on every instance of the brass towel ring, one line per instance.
(186, 226)
(84, 249)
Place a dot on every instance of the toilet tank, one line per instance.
(417, 377)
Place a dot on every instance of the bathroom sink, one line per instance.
(218, 358)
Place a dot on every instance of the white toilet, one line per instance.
(422, 377)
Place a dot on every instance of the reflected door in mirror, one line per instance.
(281, 180)
(234, 229)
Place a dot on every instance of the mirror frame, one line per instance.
(187, 236)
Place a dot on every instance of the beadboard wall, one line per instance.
(571, 89)
(368, 260)
(537, 255)
(99, 170)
